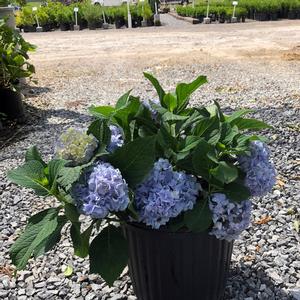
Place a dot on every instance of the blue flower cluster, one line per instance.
(117, 139)
(165, 194)
(229, 218)
(153, 112)
(260, 172)
(104, 191)
(76, 146)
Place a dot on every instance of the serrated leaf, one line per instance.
(237, 115)
(250, 124)
(31, 175)
(54, 168)
(101, 111)
(184, 91)
(199, 218)
(168, 116)
(236, 191)
(170, 102)
(161, 93)
(81, 241)
(225, 172)
(33, 154)
(71, 212)
(109, 254)
(100, 130)
(68, 175)
(201, 162)
(135, 159)
(49, 242)
(123, 100)
(40, 227)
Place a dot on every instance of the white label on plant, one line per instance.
(76, 9)
(34, 8)
(235, 3)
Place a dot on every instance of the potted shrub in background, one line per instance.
(93, 16)
(64, 18)
(159, 182)
(25, 20)
(14, 65)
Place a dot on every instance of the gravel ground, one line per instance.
(266, 261)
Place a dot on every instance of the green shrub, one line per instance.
(25, 17)
(64, 15)
(4, 3)
(92, 14)
(14, 55)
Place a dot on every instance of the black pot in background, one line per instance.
(200, 18)
(273, 16)
(64, 26)
(11, 104)
(29, 28)
(292, 14)
(177, 266)
(261, 16)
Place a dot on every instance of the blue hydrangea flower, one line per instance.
(76, 146)
(153, 112)
(260, 172)
(117, 139)
(165, 194)
(229, 218)
(104, 190)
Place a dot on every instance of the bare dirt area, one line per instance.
(252, 65)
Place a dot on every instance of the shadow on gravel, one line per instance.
(246, 281)
(37, 119)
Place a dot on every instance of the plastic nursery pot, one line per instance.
(292, 14)
(273, 16)
(64, 26)
(165, 265)
(11, 104)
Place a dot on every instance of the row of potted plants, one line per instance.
(264, 10)
(218, 13)
(260, 10)
(56, 15)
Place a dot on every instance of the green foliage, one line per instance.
(14, 63)
(108, 254)
(202, 141)
(4, 3)
(41, 234)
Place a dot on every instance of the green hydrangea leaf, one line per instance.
(109, 254)
(39, 228)
(31, 175)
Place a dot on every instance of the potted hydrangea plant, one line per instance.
(163, 186)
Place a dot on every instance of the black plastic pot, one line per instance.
(177, 266)
(273, 16)
(64, 26)
(11, 104)
(292, 14)
(29, 28)
(261, 16)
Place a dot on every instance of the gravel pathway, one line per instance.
(266, 261)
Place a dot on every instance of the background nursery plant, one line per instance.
(154, 167)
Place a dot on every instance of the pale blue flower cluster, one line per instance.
(76, 146)
(165, 194)
(229, 218)
(104, 190)
(117, 139)
(153, 112)
(260, 172)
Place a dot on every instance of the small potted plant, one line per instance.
(93, 16)
(163, 186)
(64, 18)
(14, 65)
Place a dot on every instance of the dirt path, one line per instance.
(271, 40)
